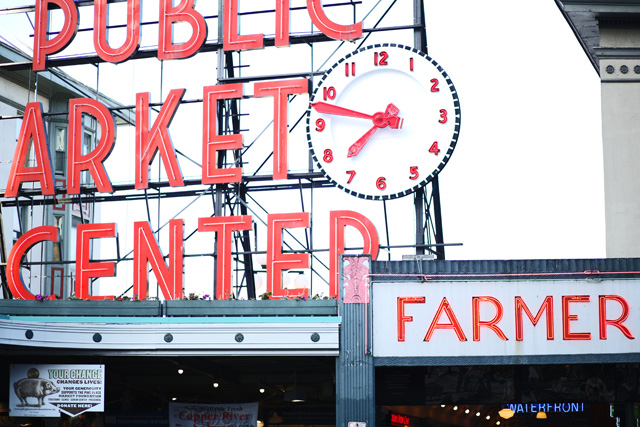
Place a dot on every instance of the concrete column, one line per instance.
(619, 56)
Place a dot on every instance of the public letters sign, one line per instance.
(152, 139)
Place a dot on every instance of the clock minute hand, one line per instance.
(323, 107)
(357, 146)
(380, 120)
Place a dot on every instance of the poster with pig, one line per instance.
(48, 390)
(213, 415)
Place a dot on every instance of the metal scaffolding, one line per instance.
(257, 185)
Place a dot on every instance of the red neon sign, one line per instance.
(147, 251)
(169, 15)
(400, 420)
(151, 139)
(604, 303)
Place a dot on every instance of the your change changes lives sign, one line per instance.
(47, 390)
(210, 415)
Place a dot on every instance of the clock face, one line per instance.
(383, 121)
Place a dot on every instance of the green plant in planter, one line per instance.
(321, 296)
(231, 296)
(266, 296)
(195, 297)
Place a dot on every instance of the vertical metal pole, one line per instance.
(418, 205)
(420, 32)
(217, 190)
(437, 216)
(420, 40)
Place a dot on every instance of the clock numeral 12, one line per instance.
(347, 69)
(413, 170)
(380, 58)
(434, 148)
(329, 92)
(351, 175)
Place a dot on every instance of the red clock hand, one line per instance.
(357, 146)
(323, 107)
(380, 120)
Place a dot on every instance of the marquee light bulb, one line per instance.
(506, 413)
(466, 411)
(455, 408)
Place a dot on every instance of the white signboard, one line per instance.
(47, 390)
(210, 415)
(523, 318)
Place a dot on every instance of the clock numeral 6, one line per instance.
(443, 116)
(320, 124)
(434, 148)
(329, 92)
(381, 183)
(434, 85)
(351, 175)
(413, 170)
(380, 58)
(328, 156)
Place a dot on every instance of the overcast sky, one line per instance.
(525, 180)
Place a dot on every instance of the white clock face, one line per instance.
(383, 121)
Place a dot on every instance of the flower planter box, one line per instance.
(250, 308)
(172, 308)
(12, 307)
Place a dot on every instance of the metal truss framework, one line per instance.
(236, 199)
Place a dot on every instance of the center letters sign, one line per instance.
(450, 319)
(154, 138)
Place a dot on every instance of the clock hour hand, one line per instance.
(357, 146)
(323, 107)
(380, 120)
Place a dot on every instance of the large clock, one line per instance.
(383, 121)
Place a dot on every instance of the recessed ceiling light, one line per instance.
(216, 385)
(180, 371)
(261, 390)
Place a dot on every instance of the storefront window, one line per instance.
(61, 150)
(565, 394)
